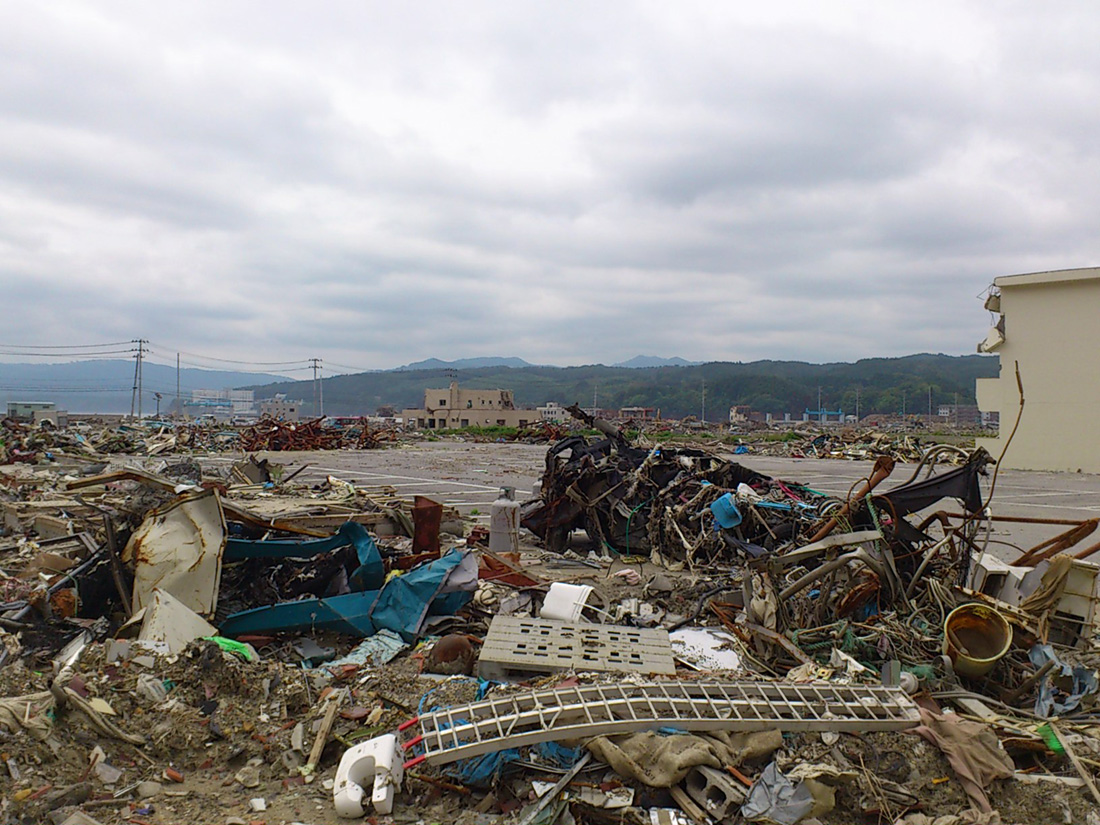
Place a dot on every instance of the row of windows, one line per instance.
(465, 422)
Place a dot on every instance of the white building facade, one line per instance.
(1046, 322)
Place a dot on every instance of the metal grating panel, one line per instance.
(531, 717)
(524, 646)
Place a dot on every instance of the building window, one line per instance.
(442, 402)
(465, 422)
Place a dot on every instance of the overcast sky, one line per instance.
(570, 183)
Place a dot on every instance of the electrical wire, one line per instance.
(230, 360)
(67, 346)
(22, 354)
(347, 367)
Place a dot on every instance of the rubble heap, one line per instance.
(181, 644)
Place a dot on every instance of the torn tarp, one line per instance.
(960, 483)
(369, 576)
(1062, 690)
(402, 604)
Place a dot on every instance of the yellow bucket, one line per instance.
(975, 637)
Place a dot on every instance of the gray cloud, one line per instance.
(377, 184)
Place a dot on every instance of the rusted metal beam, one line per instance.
(884, 465)
(1054, 546)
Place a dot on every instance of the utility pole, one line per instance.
(903, 403)
(956, 411)
(158, 396)
(136, 393)
(179, 405)
(318, 399)
(857, 403)
(595, 408)
(140, 358)
(930, 403)
(703, 410)
(820, 411)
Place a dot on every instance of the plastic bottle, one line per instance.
(504, 522)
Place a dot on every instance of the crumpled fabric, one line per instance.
(970, 817)
(775, 798)
(1063, 689)
(663, 761)
(1042, 602)
(30, 713)
(973, 751)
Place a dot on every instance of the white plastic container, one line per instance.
(504, 523)
(565, 602)
(375, 765)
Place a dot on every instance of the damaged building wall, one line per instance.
(453, 408)
(1049, 329)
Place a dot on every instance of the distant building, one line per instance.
(740, 414)
(25, 410)
(824, 416)
(280, 407)
(34, 412)
(221, 403)
(454, 408)
(553, 412)
(962, 415)
(1045, 322)
(638, 413)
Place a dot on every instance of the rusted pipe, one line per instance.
(1088, 551)
(1021, 519)
(884, 465)
(1054, 546)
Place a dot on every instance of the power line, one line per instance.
(65, 346)
(23, 354)
(231, 360)
(209, 367)
(56, 390)
(346, 367)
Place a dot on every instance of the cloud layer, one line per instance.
(376, 183)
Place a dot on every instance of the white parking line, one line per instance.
(368, 474)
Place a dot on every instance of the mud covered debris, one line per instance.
(187, 640)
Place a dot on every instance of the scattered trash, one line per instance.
(671, 637)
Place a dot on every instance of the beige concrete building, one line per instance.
(553, 412)
(281, 407)
(1046, 323)
(454, 408)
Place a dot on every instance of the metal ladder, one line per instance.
(527, 718)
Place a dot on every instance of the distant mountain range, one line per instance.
(107, 386)
(882, 385)
(637, 362)
(674, 386)
(465, 364)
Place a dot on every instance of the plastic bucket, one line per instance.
(975, 637)
(725, 511)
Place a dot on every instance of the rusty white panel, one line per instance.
(179, 548)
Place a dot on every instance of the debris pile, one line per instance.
(719, 646)
(32, 444)
(849, 444)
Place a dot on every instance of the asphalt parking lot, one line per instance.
(469, 476)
